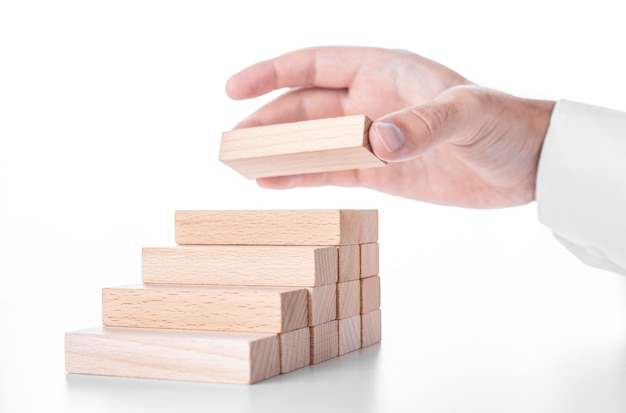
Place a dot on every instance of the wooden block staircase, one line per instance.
(243, 296)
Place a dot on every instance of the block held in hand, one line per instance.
(321, 145)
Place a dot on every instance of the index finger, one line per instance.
(326, 67)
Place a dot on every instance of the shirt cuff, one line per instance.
(581, 183)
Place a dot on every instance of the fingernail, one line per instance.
(390, 135)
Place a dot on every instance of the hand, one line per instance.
(447, 140)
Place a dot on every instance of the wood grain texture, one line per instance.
(369, 259)
(275, 227)
(370, 294)
(203, 356)
(311, 146)
(371, 328)
(295, 350)
(303, 266)
(241, 309)
(322, 304)
(369, 226)
(349, 334)
(348, 299)
(324, 342)
(349, 262)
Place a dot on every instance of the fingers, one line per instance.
(409, 133)
(297, 105)
(327, 67)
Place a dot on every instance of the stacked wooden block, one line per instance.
(243, 296)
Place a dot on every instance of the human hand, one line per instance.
(446, 140)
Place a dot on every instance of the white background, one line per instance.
(110, 119)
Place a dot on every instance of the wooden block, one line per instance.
(295, 349)
(275, 227)
(324, 342)
(348, 299)
(369, 259)
(369, 226)
(244, 309)
(370, 294)
(322, 304)
(301, 266)
(349, 334)
(311, 146)
(371, 330)
(349, 262)
(205, 356)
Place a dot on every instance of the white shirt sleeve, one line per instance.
(581, 183)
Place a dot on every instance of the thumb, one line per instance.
(410, 132)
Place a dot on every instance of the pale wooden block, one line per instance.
(245, 309)
(310, 146)
(322, 304)
(324, 342)
(369, 259)
(274, 227)
(370, 294)
(204, 356)
(371, 328)
(349, 334)
(349, 262)
(301, 266)
(348, 299)
(369, 226)
(295, 349)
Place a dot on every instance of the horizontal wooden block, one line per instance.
(349, 334)
(348, 299)
(303, 266)
(349, 262)
(295, 350)
(320, 145)
(370, 294)
(204, 356)
(322, 304)
(324, 342)
(371, 328)
(244, 309)
(369, 260)
(277, 227)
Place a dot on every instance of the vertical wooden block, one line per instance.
(369, 260)
(295, 350)
(322, 304)
(324, 342)
(369, 226)
(245, 309)
(205, 356)
(274, 227)
(370, 294)
(309, 146)
(371, 328)
(349, 262)
(348, 299)
(349, 334)
(282, 266)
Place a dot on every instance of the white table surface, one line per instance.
(481, 341)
